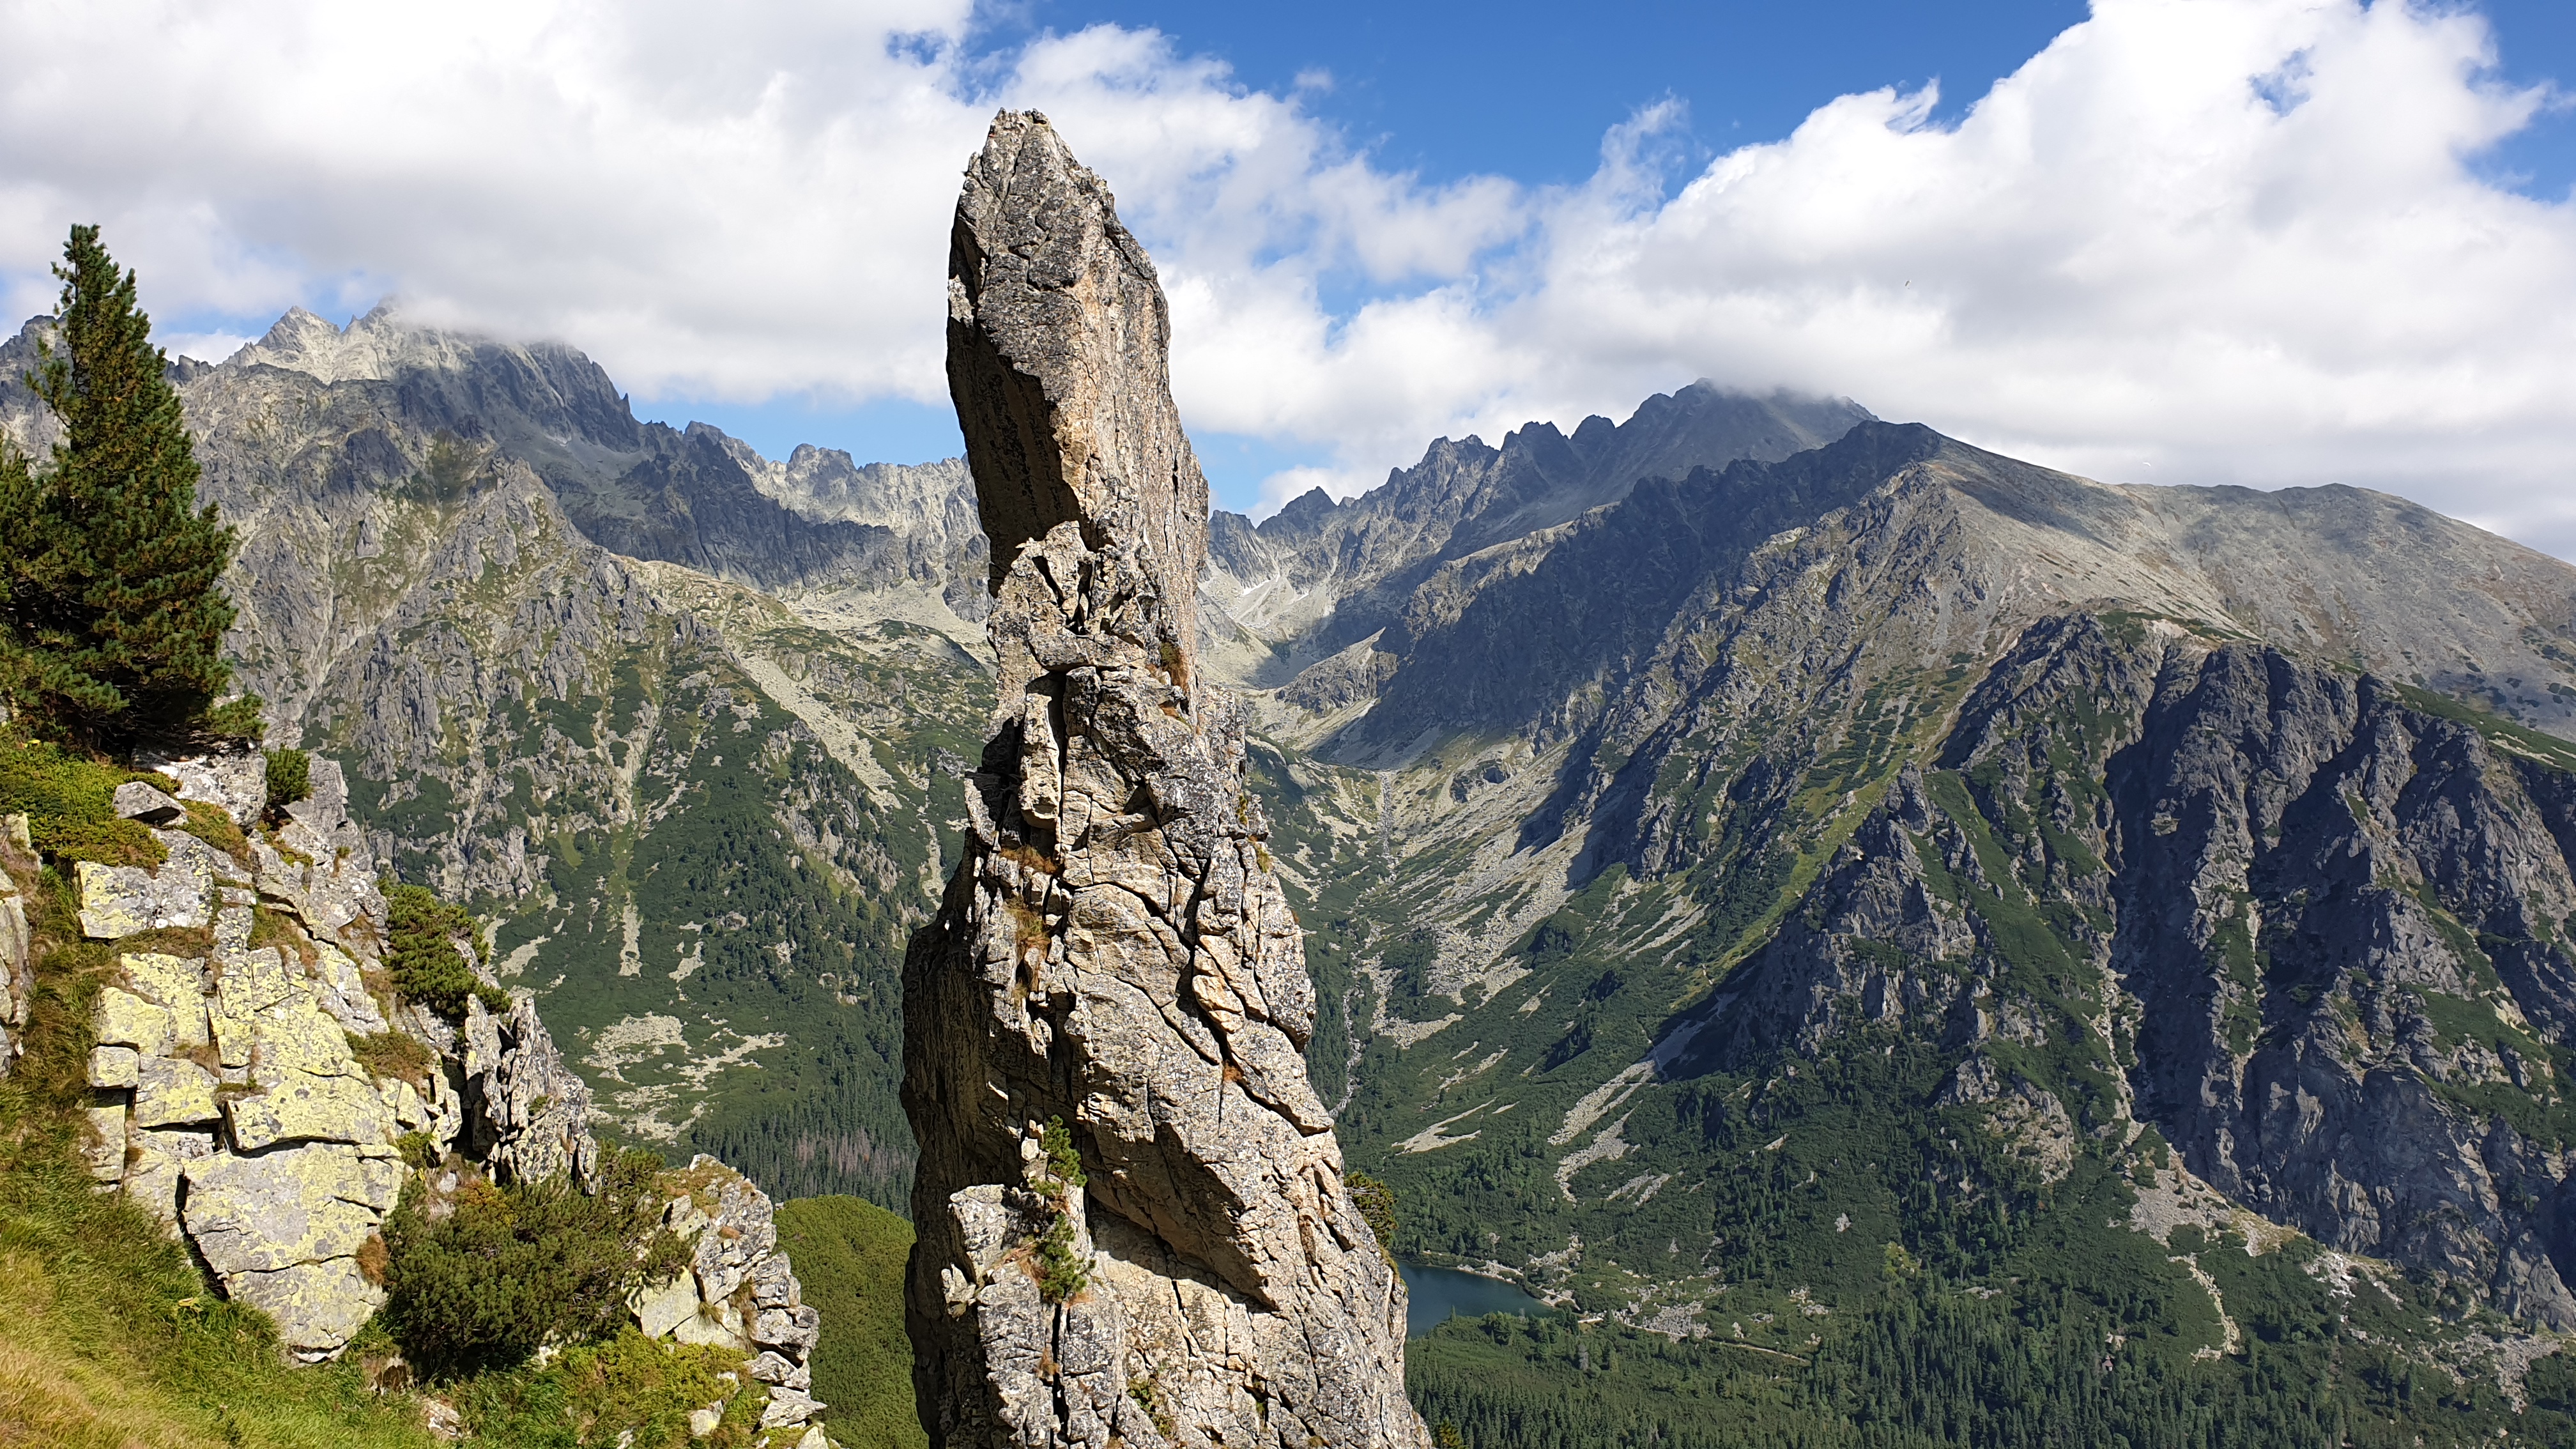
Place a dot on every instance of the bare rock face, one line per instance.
(1057, 343)
(231, 1101)
(1132, 1219)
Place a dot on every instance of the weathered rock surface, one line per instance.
(1113, 953)
(739, 1291)
(232, 1105)
(17, 973)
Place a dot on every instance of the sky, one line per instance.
(2267, 242)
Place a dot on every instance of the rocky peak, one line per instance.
(1320, 575)
(1133, 1225)
(1057, 335)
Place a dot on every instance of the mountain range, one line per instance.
(1765, 868)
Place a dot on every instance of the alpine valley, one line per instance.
(1890, 944)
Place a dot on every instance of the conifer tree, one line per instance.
(112, 585)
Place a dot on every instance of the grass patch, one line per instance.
(69, 800)
(393, 1055)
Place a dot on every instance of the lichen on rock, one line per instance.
(1114, 952)
(231, 1103)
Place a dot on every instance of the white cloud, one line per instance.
(203, 346)
(2192, 240)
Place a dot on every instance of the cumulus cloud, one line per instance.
(2191, 240)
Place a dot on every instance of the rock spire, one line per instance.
(1132, 1219)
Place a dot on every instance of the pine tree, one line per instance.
(112, 585)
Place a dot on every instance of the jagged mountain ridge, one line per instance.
(1321, 574)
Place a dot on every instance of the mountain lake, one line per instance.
(1436, 1294)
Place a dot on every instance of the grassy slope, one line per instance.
(849, 1255)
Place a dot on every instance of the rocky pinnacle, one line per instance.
(1132, 1219)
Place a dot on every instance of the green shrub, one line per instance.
(1376, 1202)
(423, 956)
(627, 1391)
(69, 800)
(418, 1148)
(1064, 1162)
(1062, 1272)
(510, 1268)
(290, 779)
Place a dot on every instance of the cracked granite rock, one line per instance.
(738, 1291)
(1114, 951)
(228, 1099)
(17, 974)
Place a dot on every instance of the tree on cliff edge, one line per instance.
(110, 573)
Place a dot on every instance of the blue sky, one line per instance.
(2269, 242)
(1518, 90)
(1527, 91)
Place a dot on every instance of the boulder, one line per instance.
(17, 974)
(788, 1408)
(173, 1092)
(104, 1148)
(319, 1307)
(177, 983)
(661, 1308)
(279, 1209)
(301, 1107)
(135, 800)
(121, 1018)
(123, 900)
(113, 1066)
(296, 1035)
(234, 780)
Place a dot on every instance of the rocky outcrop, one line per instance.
(235, 1099)
(17, 971)
(738, 1290)
(231, 1100)
(1133, 1226)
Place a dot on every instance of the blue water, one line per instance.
(1438, 1293)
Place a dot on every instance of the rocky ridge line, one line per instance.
(1130, 1200)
